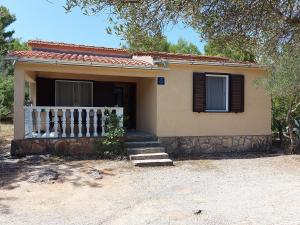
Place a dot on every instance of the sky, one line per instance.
(47, 20)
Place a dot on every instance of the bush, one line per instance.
(6, 96)
(112, 145)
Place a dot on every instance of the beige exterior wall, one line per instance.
(147, 105)
(164, 110)
(175, 116)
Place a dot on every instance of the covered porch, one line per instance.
(68, 101)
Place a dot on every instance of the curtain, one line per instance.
(73, 93)
(215, 93)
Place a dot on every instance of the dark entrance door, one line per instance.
(125, 96)
(119, 94)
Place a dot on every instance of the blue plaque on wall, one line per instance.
(161, 81)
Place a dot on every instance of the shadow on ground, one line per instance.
(14, 170)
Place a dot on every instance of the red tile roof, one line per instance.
(44, 50)
(59, 46)
(48, 55)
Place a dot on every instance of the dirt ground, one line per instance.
(216, 190)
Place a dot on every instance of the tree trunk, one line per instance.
(293, 139)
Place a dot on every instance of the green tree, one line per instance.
(183, 46)
(283, 84)
(6, 37)
(266, 24)
(7, 43)
(235, 51)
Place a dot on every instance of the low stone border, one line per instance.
(195, 145)
(56, 146)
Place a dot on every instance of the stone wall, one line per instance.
(216, 144)
(83, 147)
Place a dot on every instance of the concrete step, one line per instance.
(161, 155)
(153, 162)
(137, 144)
(140, 138)
(145, 150)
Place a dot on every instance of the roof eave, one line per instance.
(207, 63)
(82, 63)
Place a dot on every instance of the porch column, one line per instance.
(19, 96)
(32, 92)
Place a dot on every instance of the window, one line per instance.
(73, 93)
(216, 93)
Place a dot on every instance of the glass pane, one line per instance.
(215, 93)
(64, 93)
(73, 94)
(84, 94)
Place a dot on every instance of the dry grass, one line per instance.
(6, 135)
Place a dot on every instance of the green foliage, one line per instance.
(283, 83)
(111, 145)
(7, 43)
(182, 46)
(233, 50)
(269, 25)
(6, 96)
(5, 36)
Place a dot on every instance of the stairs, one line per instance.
(144, 151)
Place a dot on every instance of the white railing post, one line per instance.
(39, 120)
(95, 123)
(47, 122)
(103, 122)
(87, 122)
(79, 123)
(55, 123)
(72, 122)
(30, 121)
(64, 123)
(119, 112)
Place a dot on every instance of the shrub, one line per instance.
(112, 145)
(6, 96)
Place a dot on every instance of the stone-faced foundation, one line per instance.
(196, 145)
(57, 146)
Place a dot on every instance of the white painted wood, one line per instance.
(79, 123)
(72, 122)
(95, 123)
(88, 123)
(64, 123)
(47, 122)
(39, 121)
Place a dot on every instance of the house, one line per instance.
(192, 104)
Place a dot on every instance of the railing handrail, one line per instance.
(69, 107)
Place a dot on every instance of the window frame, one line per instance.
(226, 76)
(77, 81)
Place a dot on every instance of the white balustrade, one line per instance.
(88, 122)
(72, 122)
(49, 122)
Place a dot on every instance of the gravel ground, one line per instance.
(217, 191)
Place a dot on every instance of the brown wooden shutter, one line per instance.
(236, 93)
(199, 92)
